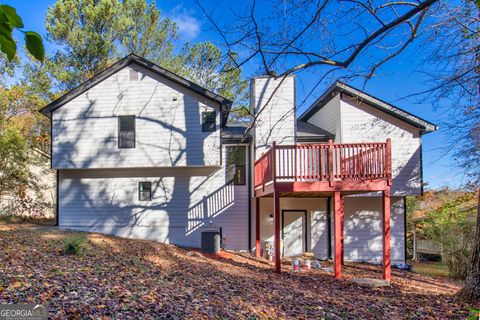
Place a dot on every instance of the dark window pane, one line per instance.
(126, 131)
(236, 157)
(145, 186)
(145, 191)
(208, 121)
(127, 123)
(127, 140)
(145, 196)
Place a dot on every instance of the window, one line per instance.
(208, 121)
(145, 191)
(126, 132)
(133, 75)
(236, 158)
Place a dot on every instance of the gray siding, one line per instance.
(328, 118)
(168, 125)
(184, 202)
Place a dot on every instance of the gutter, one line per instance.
(249, 190)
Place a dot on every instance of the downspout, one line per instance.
(405, 225)
(249, 179)
(51, 142)
(57, 199)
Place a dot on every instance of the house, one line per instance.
(35, 199)
(141, 152)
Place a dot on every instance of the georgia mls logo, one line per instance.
(39, 311)
(23, 312)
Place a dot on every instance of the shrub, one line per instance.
(457, 242)
(451, 226)
(74, 245)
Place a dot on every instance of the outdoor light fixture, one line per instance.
(270, 218)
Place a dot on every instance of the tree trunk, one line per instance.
(471, 290)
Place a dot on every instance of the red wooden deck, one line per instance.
(333, 169)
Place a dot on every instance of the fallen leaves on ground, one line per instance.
(125, 279)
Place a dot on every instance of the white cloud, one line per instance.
(188, 25)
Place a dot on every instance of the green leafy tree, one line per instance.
(453, 66)
(88, 32)
(93, 34)
(18, 110)
(13, 160)
(10, 20)
(17, 121)
(21, 128)
(202, 63)
(146, 33)
(451, 225)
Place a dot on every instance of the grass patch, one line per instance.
(75, 244)
(430, 268)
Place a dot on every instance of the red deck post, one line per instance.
(338, 234)
(257, 227)
(277, 222)
(342, 225)
(276, 213)
(386, 234)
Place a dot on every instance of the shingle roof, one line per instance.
(236, 133)
(307, 132)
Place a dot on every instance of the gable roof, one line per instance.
(340, 87)
(307, 132)
(225, 104)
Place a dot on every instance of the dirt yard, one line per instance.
(123, 279)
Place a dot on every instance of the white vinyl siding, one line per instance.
(317, 240)
(276, 122)
(363, 123)
(363, 226)
(184, 202)
(168, 125)
(363, 229)
(355, 122)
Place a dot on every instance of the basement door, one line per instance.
(294, 232)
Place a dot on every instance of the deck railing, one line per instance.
(324, 162)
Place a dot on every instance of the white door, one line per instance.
(294, 233)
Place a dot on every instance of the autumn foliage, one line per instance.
(124, 279)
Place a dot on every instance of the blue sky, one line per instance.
(394, 81)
